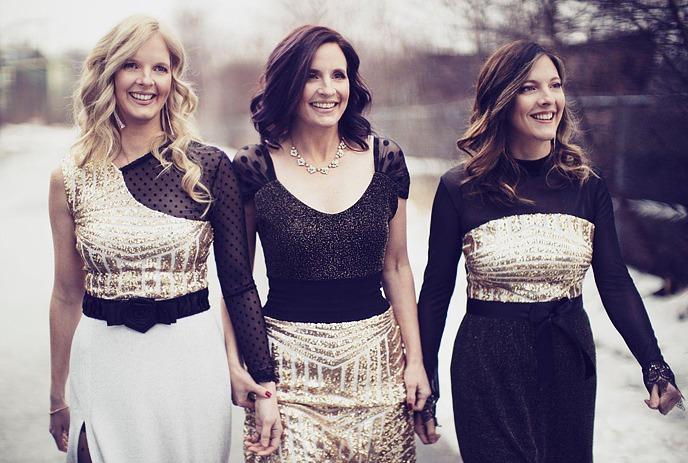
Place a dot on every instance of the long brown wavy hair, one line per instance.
(490, 169)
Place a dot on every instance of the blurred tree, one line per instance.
(551, 22)
(559, 23)
(666, 23)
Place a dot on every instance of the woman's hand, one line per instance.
(664, 401)
(425, 428)
(59, 428)
(245, 391)
(268, 424)
(417, 386)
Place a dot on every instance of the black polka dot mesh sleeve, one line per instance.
(253, 169)
(160, 189)
(234, 271)
(390, 160)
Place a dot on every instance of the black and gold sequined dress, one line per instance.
(332, 333)
(163, 395)
(523, 383)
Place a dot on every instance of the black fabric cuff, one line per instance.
(659, 373)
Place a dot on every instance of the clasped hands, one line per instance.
(263, 399)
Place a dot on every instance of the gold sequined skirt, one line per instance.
(341, 392)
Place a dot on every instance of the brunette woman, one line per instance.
(328, 200)
(530, 216)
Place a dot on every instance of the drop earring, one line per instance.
(119, 122)
(166, 119)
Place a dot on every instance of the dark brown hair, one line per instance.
(273, 108)
(491, 170)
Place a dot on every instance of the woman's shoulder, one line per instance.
(454, 177)
(251, 153)
(253, 167)
(386, 148)
(390, 160)
(205, 153)
(251, 159)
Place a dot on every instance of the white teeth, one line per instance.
(543, 116)
(324, 105)
(142, 96)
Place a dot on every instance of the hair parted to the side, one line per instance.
(490, 169)
(94, 103)
(275, 104)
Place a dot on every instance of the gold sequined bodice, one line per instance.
(128, 249)
(528, 257)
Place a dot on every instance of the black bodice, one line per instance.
(323, 267)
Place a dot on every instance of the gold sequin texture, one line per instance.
(528, 258)
(341, 392)
(128, 249)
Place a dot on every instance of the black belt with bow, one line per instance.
(141, 314)
(545, 317)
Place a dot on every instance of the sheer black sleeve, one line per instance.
(253, 169)
(234, 272)
(390, 161)
(617, 290)
(440, 277)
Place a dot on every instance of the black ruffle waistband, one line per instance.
(545, 317)
(141, 314)
(325, 301)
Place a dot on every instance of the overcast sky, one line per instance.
(240, 26)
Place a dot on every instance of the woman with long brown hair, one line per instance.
(134, 210)
(328, 200)
(530, 216)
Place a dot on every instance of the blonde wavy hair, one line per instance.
(99, 139)
(490, 169)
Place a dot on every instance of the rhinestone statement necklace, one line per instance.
(323, 170)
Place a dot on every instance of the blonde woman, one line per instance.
(134, 210)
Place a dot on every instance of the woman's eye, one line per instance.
(557, 85)
(527, 88)
(130, 65)
(312, 75)
(160, 68)
(339, 75)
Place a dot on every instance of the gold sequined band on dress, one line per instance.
(528, 258)
(341, 392)
(128, 249)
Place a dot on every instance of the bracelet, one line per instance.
(52, 412)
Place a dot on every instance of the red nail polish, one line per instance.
(268, 394)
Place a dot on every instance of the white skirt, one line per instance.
(159, 396)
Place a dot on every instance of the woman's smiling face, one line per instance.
(538, 108)
(143, 83)
(326, 94)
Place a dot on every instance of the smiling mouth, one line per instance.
(543, 116)
(324, 105)
(142, 96)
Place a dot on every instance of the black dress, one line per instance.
(332, 333)
(522, 370)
